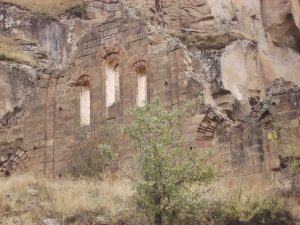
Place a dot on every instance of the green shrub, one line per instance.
(167, 170)
(78, 10)
(10, 51)
(89, 163)
(287, 139)
(51, 8)
(245, 210)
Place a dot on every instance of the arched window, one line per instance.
(85, 105)
(142, 86)
(112, 82)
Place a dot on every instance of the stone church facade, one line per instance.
(114, 71)
(117, 69)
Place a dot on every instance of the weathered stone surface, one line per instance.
(230, 52)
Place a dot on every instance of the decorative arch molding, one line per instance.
(82, 76)
(112, 50)
(111, 59)
(209, 125)
(138, 62)
(13, 162)
(82, 81)
(138, 66)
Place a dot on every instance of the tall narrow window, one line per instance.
(85, 106)
(112, 82)
(142, 86)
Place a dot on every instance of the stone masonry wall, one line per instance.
(52, 132)
(52, 117)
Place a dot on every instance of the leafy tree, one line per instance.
(171, 179)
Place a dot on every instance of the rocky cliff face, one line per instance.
(237, 46)
(253, 42)
(232, 50)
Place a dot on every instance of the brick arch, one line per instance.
(209, 125)
(13, 162)
(82, 81)
(81, 76)
(113, 53)
(137, 62)
(112, 50)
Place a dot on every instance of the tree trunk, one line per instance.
(158, 213)
(158, 219)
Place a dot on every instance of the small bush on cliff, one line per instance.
(9, 51)
(51, 8)
(167, 170)
(288, 140)
(285, 137)
(78, 10)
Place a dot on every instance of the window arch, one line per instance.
(142, 86)
(112, 82)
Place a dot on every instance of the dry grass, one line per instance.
(48, 7)
(295, 206)
(10, 51)
(89, 195)
(28, 200)
(252, 188)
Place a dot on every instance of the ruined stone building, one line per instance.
(241, 58)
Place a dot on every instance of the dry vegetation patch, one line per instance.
(10, 51)
(48, 7)
(28, 200)
(89, 195)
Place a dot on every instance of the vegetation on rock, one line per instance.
(10, 51)
(47, 7)
(285, 138)
(288, 140)
(79, 10)
(209, 41)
